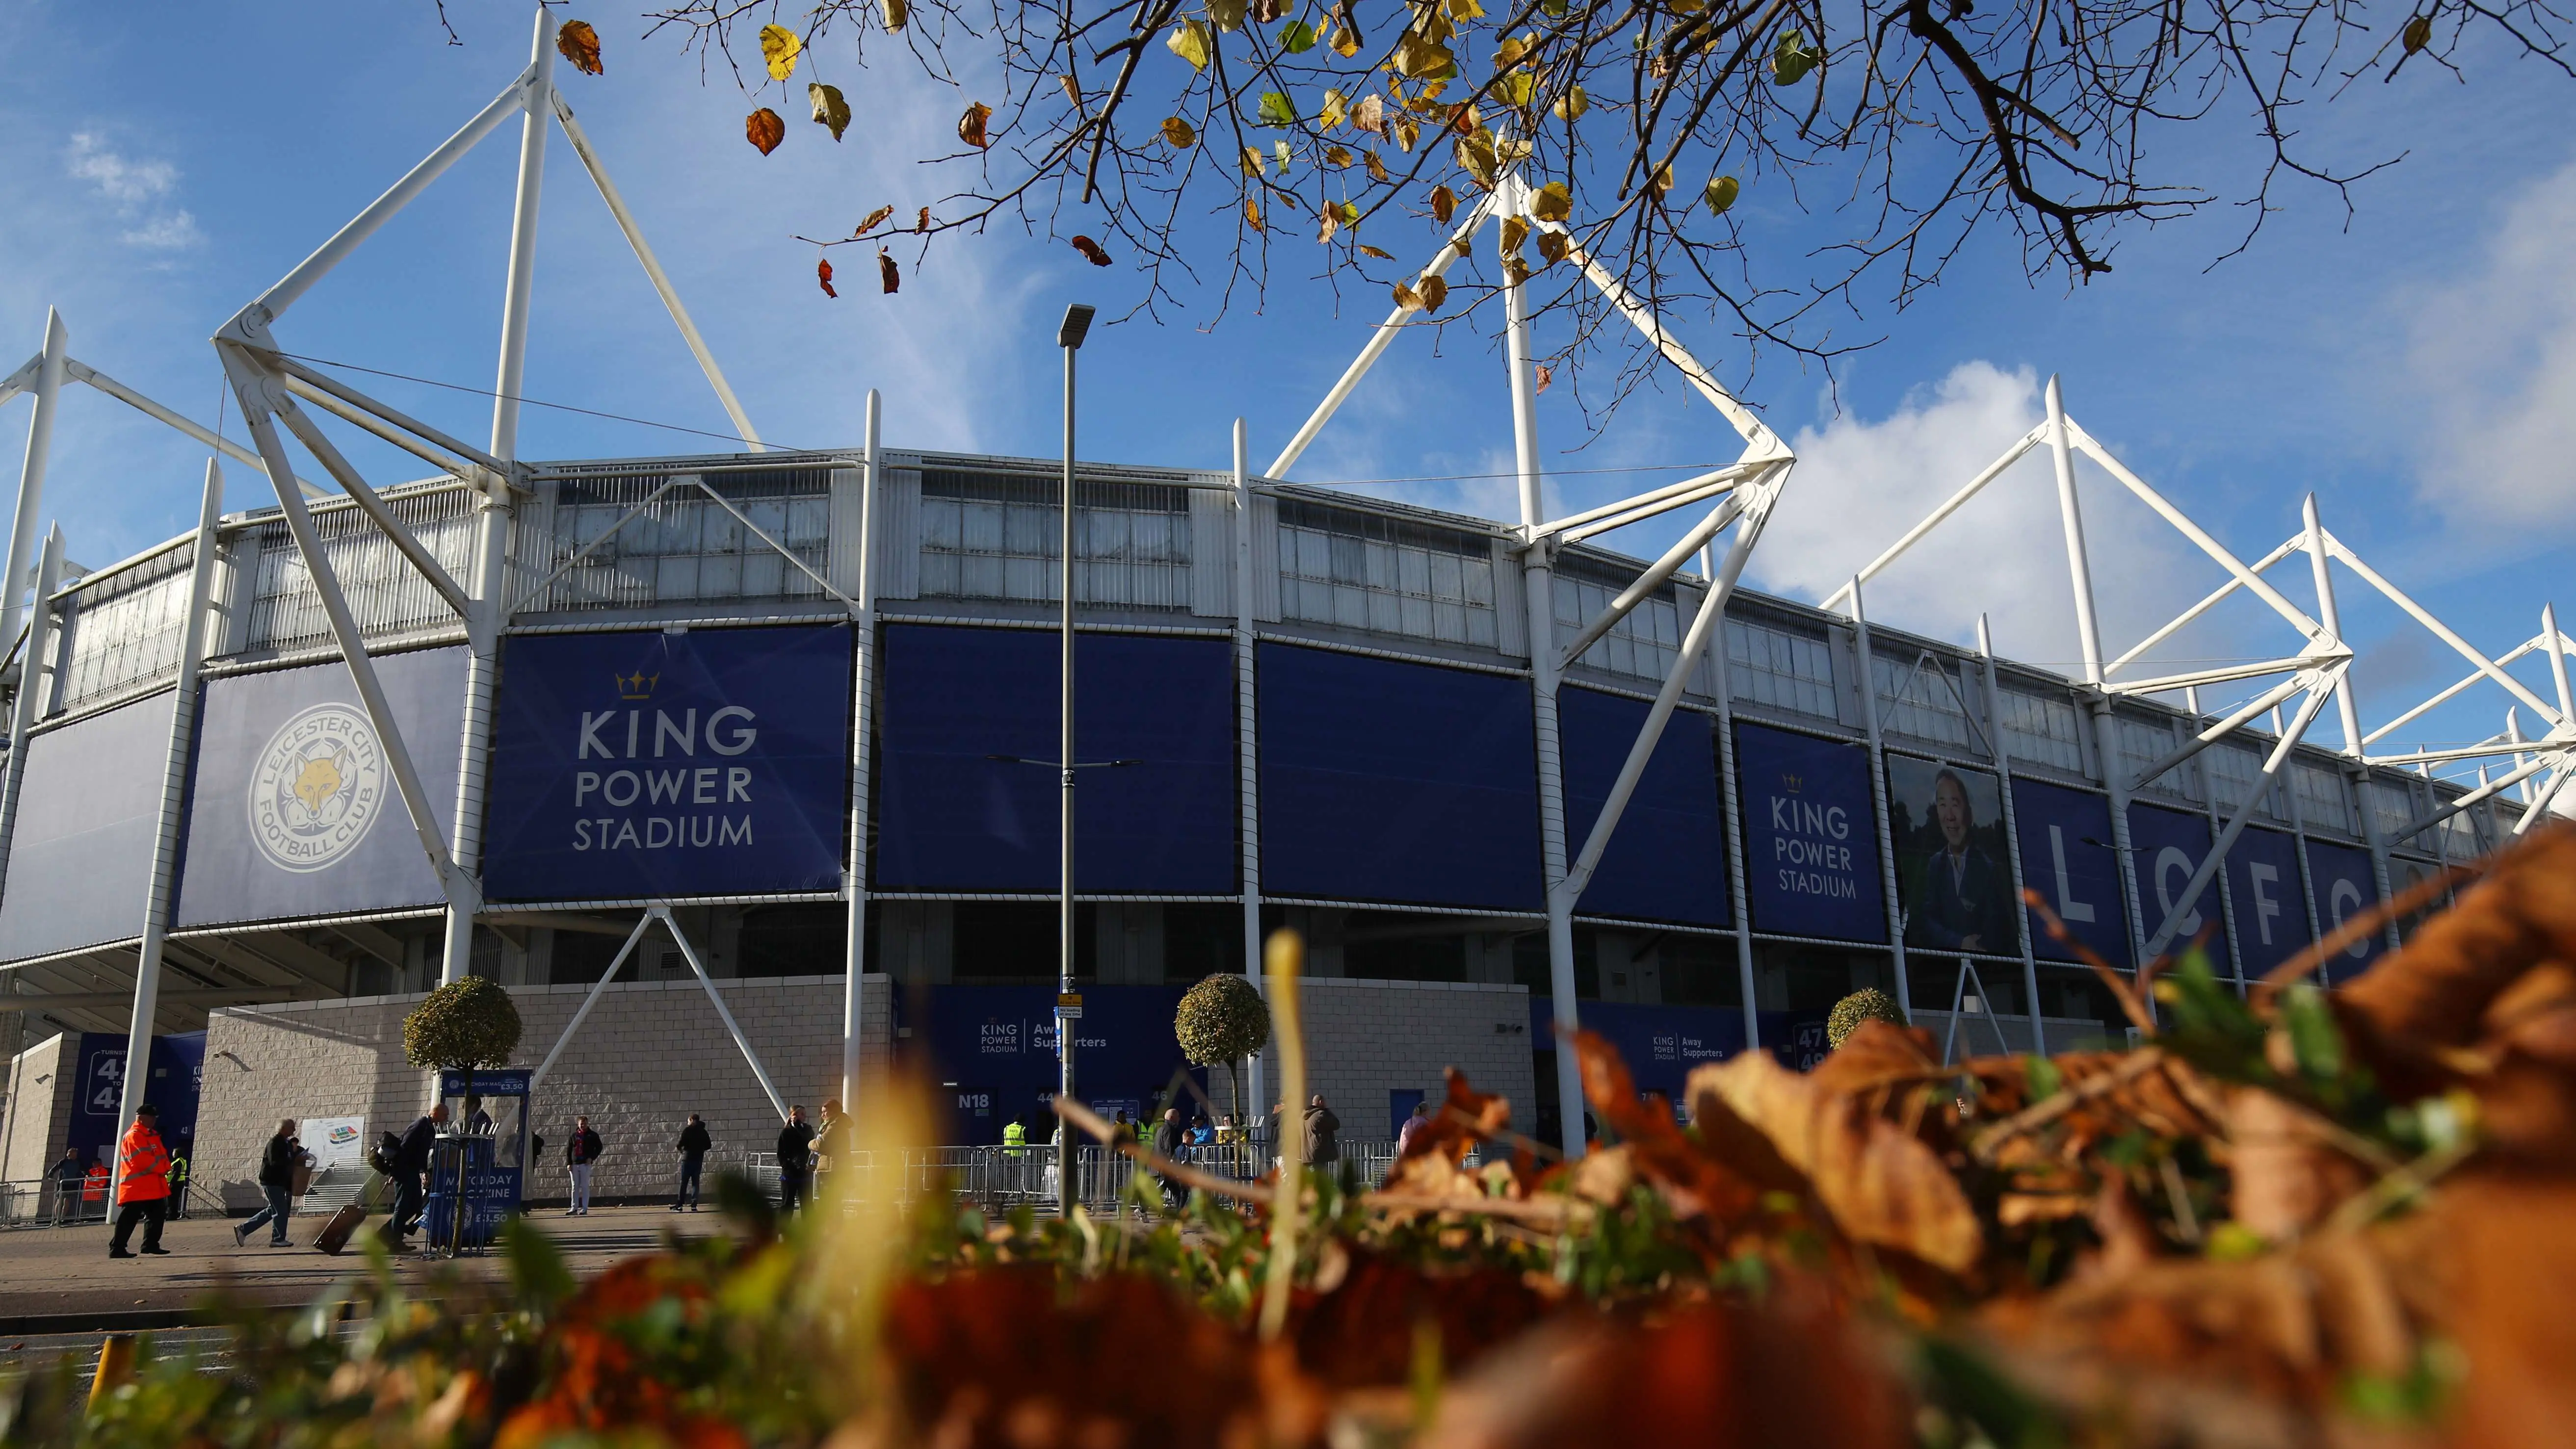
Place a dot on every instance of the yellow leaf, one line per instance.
(1407, 298)
(1466, 10)
(1721, 194)
(1553, 202)
(1251, 162)
(970, 126)
(1663, 178)
(1518, 87)
(1423, 59)
(830, 109)
(896, 13)
(1444, 204)
(1225, 14)
(1335, 110)
(1434, 292)
(1376, 168)
(1189, 41)
(1509, 53)
(1572, 105)
(780, 47)
(1552, 246)
(580, 45)
(1179, 132)
(1515, 232)
(1380, 253)
(1406, 133)
(1337, 156)
(1345, 41)
(1475, 155)
(1515, 271)
(1252, 212)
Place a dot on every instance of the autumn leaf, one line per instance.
(1370, 114)
(1509, 53)
(1792, 59)
(1515, 232)
(1553, 245)
(1476, 156)
(1519, 88)
(780, 47)
(1515, 271)
(1279, 152)
(1337, 157)
(1434, 292)
(1545, 374)
(896, 13)
(1662, 180)
(921, 224)
(1331, 223)
(889, 274)
(873, 219)
(1189, 41)
(1571, 105)
(1380, 253)
(1406, 133)
(1376, 168)
(764, 129)
(1336, 109)
(1297, 37)
(1407, 298)
(1251, 162)
(1422, 59)
(970, 126)
(2417, 34)
(1072, 90)
(1346, 40)
(1091, 251)
(830, 109)
(1277, 109)
(578, 43)
(1721, 194)
(1444, 204)
(823, 274)
(1252, 212)
(1553, 202)
(1179, 133)
(1225, 14)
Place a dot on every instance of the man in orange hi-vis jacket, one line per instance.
(142, 1183)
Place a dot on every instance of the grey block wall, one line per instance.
(1366, 1038)
(649, 1054)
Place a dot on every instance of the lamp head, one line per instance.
(1077, 321)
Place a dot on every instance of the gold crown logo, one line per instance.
(1792, 783)
(638, 685)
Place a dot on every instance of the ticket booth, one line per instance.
(481, 1160)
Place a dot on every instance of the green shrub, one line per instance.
(1870, 1004)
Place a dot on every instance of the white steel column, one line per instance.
(1247, 738)
(1540, 593)
(31, 687)
(31, 478)
(492, 514)
(174, 786)
(1878, 802)
(2012, 832)
(862, 725)
(2088, 628)
(2217, 822)
(1730, 799)
(2345, 709)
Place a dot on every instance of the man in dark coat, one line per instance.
(1171, 1139)
(1957, 900)
(1322, 1135)
(795, 1161)
(694, 1146)
(411, 1167)
(277, 1163)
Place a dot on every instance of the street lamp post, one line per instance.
(1069, 335)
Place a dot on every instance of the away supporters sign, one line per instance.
(658, 765)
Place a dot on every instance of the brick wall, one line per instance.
(649, 1054)
(1366, 1038)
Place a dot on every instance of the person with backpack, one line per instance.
(695, 1144)
(277, 1164)
(581, 1152)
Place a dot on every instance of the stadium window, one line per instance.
(2323, 803)
(2041, 728)
(997, 536)
(2235, 773)
(684, 547)
(124, 629)
(1913, 699)
(1642, 644)
(1385, 575)
(1773, 667)
(2142, 743)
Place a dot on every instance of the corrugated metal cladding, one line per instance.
(1405, 783)
(952, 817)
(1667, 860)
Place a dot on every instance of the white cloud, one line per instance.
(1860, 484)
(135, 190)
(2494, 355)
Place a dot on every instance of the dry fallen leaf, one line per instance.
(823, 274)
(1444, 204)
(830, 109)
(764, 129)
(1091, 251)
(888, 273)
(579, 44)
(872, 221)
(970, 126)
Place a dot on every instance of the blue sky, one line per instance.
(2415, 366)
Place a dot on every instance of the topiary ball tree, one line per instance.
(1223, 1019)
(1870, 1004)
(463, 1025)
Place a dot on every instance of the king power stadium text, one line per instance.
(1806, 836)
(729, 732)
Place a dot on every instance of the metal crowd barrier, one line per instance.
(999, 1179)
(50, 1203)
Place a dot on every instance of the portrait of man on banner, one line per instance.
(1951, 878)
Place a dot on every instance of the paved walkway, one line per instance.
(49, 1273)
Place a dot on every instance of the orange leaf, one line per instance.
(869, 225)
(1444, 204)
(823, 274)
(1546, 375)
(889, 274)
(1091, 251)
(579, 44)
(764, 129)
(970, 126)
(921, 224)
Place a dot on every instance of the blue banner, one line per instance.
(2167, 846)
(648, 765)
(2346, 887)
(2066, 856)
(1667, 859)
(294, 811)
(1662, 1045)
(967, 792)
(89, 809)
(1810, 836)
(2270, 900)
(1386, 781)
(990, 1053)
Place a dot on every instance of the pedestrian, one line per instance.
(831, 1141)
(1170, 1138)
(1413, 1125)
(581, 1151)
(277, 1164)
(694, 1146)
(410, 1166)
(142, 1184)
(1323, 1134)
(478, 1121)
(178, 1184)
(67, 1176)
(94, 1192)
(1201, 1133)
(1227, 1134)
(795, 1160)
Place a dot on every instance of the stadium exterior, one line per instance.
(742, 771)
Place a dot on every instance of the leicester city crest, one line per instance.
(318, 786)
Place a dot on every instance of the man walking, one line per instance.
(1170, 1140)
(694, 1146)
(277, 1163)
(579, 1154)
(795, 1161)
(411, 1166)
(67, 1177)
(142, 1183)
(1323, 1134)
